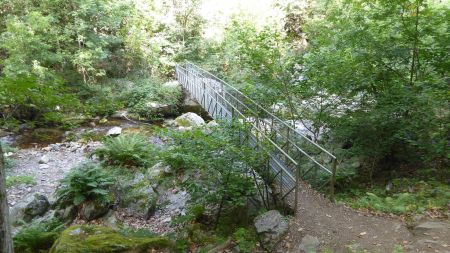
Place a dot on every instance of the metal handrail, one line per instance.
(216, 93)
(265, 110)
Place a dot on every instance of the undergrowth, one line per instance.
(405, 196)
(37, 237)
(17, 180)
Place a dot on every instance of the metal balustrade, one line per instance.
(291, 155)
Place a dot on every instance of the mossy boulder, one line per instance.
(92, 239)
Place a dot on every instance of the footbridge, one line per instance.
(292, 156)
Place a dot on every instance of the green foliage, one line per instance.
(9, 162)
(61, 37)
(17, 180)
(407, 196)
(88, 182)
(100, 100)
(363, 62)
(91, 135)
(30, 99)
(146, 91)
(223, 163)
(246, 239)
(38, 236)
(129, 150)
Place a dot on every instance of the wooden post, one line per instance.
(6, 245)
(333, 179)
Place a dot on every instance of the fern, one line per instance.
(88, 182)
(125, 150)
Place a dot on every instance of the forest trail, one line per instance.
(343, 229)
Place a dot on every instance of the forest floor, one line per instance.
(339, 228)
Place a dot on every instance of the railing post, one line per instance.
(333, 179)
(297, 172)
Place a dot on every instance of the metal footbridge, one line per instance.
(292, 156)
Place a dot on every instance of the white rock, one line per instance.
(44, 159)
(43, 166)
(189, 119)
(115, 131)
(172, 84)
(212, 123)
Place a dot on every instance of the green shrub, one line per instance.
(26, 98)
(9, 162)
(223, 164)
(151, 90)
(17, 180)
(38, 236)
(245, 239)
(125, 150)
(100, 100)
(88, 182)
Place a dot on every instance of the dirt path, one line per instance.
(341, 229)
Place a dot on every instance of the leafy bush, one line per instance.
(26, 98)
(16, 180)
(148, 90)
(100, 100)
(126, 150)
(38, 236)
(88, 182)
(224, 165)
(245, 239)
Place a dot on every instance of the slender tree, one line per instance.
(6, 245)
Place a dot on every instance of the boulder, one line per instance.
(16, 213)
(115, 131)
(110, 220)
(44, 166)
(309, 244)
(189, 119)
(156, 171)
(103, 239)
(431, 227)
(138, 199)
(212, 123)
(160, 108)
(37, 207)
(172, 84)
(176, 201)
(44, 160)
(67, 214)
(92, 210)
(190, 105)
(270, 226)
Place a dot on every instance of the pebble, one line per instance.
(44, 166)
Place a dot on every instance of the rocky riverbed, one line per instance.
(44, 164)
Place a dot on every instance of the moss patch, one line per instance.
(77, 239)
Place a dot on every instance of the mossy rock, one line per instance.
(83, 239)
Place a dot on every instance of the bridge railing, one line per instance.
(292, 155)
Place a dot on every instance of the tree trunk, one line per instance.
(6, 245)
